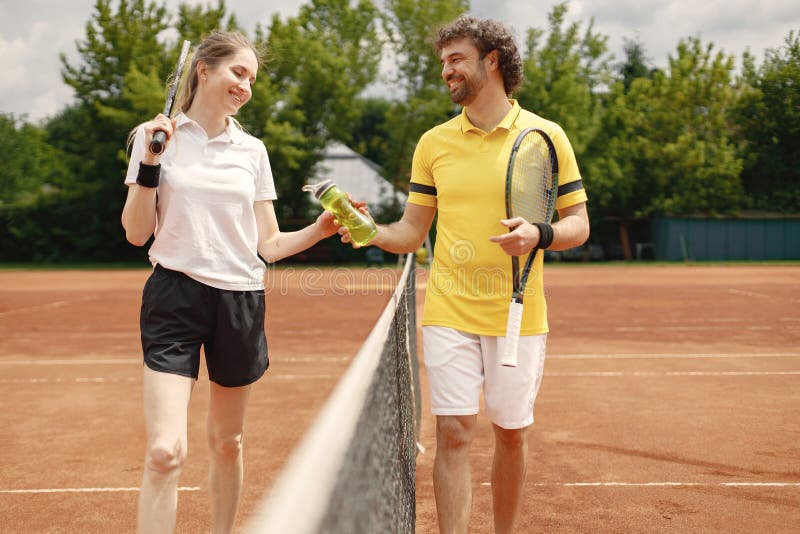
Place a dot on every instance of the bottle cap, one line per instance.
(319, 189)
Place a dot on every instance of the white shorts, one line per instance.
(459, 365)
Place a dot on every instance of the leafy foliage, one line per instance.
(564, 75)
(667, 141)
(319, 61)
(114, 42)
(30, 165)
(418, 94)
(768, 119)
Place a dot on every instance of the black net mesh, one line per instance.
(374, 491)
(355, 471)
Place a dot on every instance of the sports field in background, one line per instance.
(670, 401)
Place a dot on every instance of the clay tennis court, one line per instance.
(670, 402)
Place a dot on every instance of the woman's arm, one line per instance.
(139, 213)
(274, 245)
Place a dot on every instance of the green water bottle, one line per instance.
(362, 227)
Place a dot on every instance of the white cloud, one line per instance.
(31, 84)
(15, 75)
(31, 38)
(34, 32)
(731, 25)
(52, 101)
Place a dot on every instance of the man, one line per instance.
(459, 169)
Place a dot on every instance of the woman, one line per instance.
(208, 200)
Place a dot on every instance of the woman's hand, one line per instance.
(160, 123)
(326, 224)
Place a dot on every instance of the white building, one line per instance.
(357, 175)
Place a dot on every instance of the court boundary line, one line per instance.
(614, 374)
(664, 484)
(120, 361)
(673, 356)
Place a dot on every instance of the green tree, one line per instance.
(614, 178)
(664, 143)
(142, 96)
(116, 78)
(418, 94)
(71, 132)
(30, 166)
(636, 64)
(318, 63)
(565, 74)
(699, 171)
(667, 140)
(120, 60)
(371, 134)
(195, 22)
(768, 119)
(114, 41)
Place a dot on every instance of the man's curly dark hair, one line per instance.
(486, 35)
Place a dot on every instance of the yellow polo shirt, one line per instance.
(461, 171)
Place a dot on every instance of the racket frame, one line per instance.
(159, 140)
(520, 278)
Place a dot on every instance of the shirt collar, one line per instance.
(507, 123)
(232, 133)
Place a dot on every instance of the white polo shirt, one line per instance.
(205, 222)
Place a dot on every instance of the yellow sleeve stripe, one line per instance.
(424, 195)
(422, 199)
(570, 199)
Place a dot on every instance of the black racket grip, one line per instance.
(158, 142)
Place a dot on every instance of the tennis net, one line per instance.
(354, 471)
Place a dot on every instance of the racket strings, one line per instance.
(532, 195)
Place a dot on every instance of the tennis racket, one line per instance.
(160, 137)
(531, 189)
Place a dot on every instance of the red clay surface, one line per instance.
(670, 402)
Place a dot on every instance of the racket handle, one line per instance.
(513, 327)
(158, 142)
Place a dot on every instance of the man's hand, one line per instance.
(343, 230)
(520, 240)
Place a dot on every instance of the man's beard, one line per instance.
(462, 93)
(468, 89)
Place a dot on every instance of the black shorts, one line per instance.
(179, 314)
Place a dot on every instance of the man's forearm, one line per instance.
(399, 237)
(569, 232)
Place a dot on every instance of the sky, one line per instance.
(34, 32)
